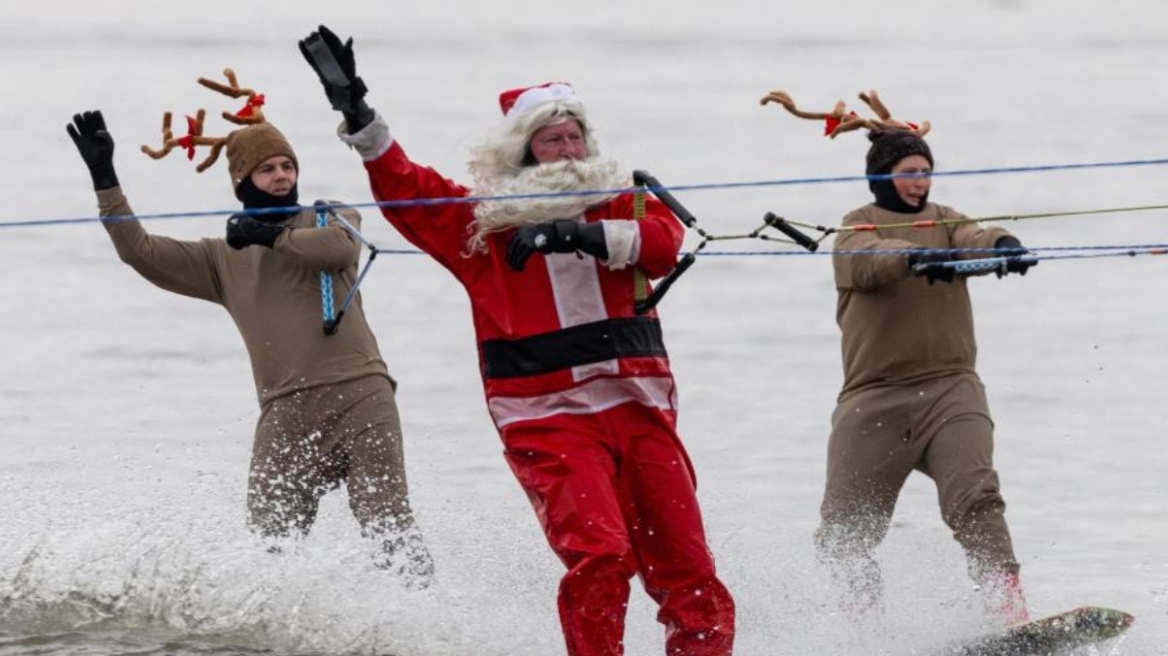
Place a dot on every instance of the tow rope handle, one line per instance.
(331, 318)
(641, 179)
(331, 322)
(781, 224)
(330, 71)
(980, 265)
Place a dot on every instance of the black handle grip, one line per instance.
(644, 179)
(659, 291)
(330, 327)
(791, 231)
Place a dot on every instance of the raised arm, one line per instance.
(183, 267)
(438, 229)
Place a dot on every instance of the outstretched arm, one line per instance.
(869, 271)
(183, 267)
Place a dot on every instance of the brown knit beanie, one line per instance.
(889, 146)
(250, 146)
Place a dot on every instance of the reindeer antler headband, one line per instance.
(250, 114)
(839, 120)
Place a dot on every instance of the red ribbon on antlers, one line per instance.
(831, 123)
(188, 141)
(253, 103)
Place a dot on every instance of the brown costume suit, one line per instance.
(328, 409)
(911, 399)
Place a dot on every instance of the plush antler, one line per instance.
(251, 113)
(193, 137)
(783, 98)
(836, 121)
(839, 120)
(872, 99)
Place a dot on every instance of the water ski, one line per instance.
(1049, 636)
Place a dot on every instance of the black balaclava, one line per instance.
(888, 148)
(254, 198)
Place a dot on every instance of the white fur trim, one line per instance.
(536, 96)
(623, 239)
(371, 142)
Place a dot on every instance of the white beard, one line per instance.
(592, 174)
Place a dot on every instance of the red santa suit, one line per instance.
(580, 389)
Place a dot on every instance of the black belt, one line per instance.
(571, 347)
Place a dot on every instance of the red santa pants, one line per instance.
(615, 494)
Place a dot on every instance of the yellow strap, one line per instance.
(641, 285)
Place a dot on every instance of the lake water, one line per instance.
(126, 413)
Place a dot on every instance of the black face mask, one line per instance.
(253, 198)
(888, 199)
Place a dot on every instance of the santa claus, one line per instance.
(553, 255)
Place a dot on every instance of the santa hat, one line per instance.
(517, 102)
(526, 110)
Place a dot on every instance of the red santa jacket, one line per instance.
(561, 336)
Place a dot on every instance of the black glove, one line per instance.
(96, 146)
(931, 265)
(337, 69)
(244, 231)
(1013, 249)
(559, 236)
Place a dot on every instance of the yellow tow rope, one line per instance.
(641, 285)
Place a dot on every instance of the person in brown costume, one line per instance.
(328, 411)
(911, 397)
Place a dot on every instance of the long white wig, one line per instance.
(502, 170)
